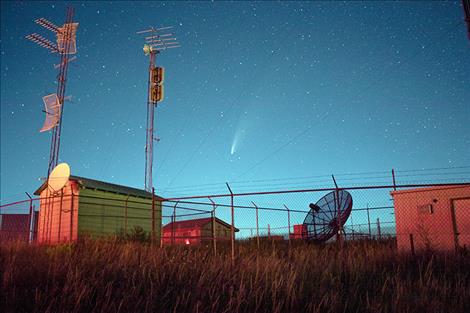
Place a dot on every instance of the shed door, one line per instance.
(462, 220)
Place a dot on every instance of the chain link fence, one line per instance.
(417, 217)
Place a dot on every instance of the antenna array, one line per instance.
(43, 42)
(66, 45)
(159, 42)
(47, 24)
(155, 42)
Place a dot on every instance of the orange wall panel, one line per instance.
(58, 215)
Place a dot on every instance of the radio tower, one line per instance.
(65, 46)
(154, 44)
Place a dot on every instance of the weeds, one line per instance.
(115, 276)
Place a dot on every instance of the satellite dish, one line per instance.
(321, 222)
(58, 177)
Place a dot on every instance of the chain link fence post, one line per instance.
(214, 240)
(232, 227)
(338, 214)
(125, 215)
(31, 218)
(288, 223)
(71, 217)
(153, 217)
(60, 214)
(257, 225)
(379, 234)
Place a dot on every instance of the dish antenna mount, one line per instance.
(327, 217)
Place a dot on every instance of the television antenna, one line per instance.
(156, 41)
(65, 45)
(327, 217)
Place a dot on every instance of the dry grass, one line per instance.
(110, 276)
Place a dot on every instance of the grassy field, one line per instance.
(111, 276)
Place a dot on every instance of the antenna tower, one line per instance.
(155, 42)
(65, 45)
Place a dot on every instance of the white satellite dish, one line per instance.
(58, 177)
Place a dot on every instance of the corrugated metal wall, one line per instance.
(222, 232)
(108, 213)
(63, 217)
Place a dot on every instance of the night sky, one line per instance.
(258, 91)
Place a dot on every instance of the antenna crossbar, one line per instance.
(158, 36)
(154, 30)
(48, 25)
(56, 66)
(43, 42)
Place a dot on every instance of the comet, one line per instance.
(236, 140)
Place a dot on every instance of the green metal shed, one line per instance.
(96, 208)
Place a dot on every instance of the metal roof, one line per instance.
(424, 189)
(188, 224)
(104, 186)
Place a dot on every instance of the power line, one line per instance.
(433, 169)
(201, 143)
(339, 176)
(173, 142)
(385, 75)
(276, 151)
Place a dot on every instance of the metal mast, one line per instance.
(466, 9)
(66, 45)
(150, 125)
(154, 44)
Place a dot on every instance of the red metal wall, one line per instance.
(16, 227)
(299, 229)
(188, 236)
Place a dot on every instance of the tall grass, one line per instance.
(111, 276)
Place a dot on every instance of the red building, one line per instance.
(195, 231)
(16, 227)
(298, 231)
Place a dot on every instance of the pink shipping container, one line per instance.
(435, 218)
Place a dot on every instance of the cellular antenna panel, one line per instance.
(52, 110)
(67, 31)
